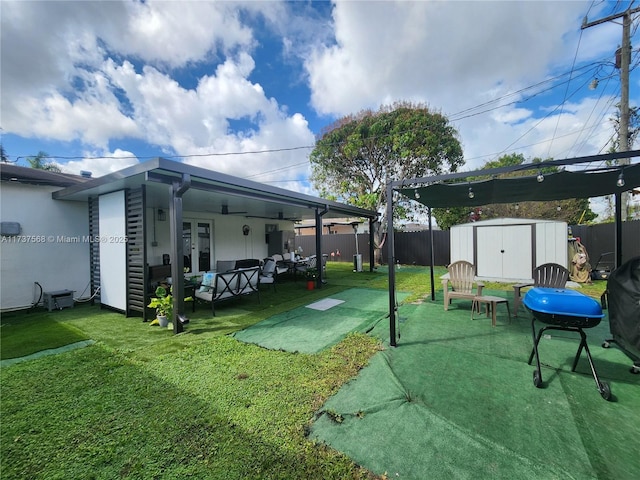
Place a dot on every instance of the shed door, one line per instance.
(504, 251)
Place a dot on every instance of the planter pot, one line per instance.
(163, 321)
(311, 284)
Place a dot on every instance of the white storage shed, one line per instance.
(509, 248)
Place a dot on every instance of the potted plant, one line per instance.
(311, 274)
(163, 303)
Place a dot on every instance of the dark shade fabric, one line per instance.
(557, 186)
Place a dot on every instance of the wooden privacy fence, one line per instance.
(413, 248)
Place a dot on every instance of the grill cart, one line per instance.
(566, 310)
(623, 299)
(602, 270)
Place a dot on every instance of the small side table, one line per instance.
(490, 303)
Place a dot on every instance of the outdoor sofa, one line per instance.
(216, 287)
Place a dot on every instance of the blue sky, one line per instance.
(103, 85)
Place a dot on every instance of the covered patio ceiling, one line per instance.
(212, 192)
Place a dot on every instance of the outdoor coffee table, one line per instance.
(491, 303)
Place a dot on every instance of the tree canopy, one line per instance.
(357, 155)
(572, 211)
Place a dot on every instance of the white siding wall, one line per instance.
(228, 241)
(231, 244)
(60, 262)
(113, 253)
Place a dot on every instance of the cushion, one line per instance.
(225, 265)
(207, 282)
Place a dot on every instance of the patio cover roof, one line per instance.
(212, 192)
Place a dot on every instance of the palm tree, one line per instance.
(38, 162)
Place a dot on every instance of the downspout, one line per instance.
(178, 188)
(319, 259)
(391, 264)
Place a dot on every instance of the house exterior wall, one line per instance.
(53, 248)
(113, 253)
(228, 241)
(231, 244)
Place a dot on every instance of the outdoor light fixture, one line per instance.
(558, 208)
(620, 181)
(516, 206)
(416, 193)
(471, 194)
(594, 84)
(540, 177)
(162, 216)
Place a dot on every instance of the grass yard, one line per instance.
(144, 403)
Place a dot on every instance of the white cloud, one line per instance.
(454, 56)
(102, 73)
(108, 163)
(88, 84)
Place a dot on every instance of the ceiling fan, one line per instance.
(279, 217)
(225, 211)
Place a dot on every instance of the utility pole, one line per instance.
(625, 60)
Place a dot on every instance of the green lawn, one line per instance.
(144, 403)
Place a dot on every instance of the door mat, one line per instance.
(324, 304)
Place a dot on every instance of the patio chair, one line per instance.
(551, 275)
(462, 279)
(310, 263)
(268, 273)
(281, 265)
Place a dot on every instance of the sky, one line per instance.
(245, 88)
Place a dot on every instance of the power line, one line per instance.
(461, 115)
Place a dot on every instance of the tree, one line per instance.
(573, 211)
(3, 154)
(357, 155)
(39, 162)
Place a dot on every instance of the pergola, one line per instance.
(461, 189)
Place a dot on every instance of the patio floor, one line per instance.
(321, 324)
(455, 399)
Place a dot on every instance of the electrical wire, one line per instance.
(573, 64)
